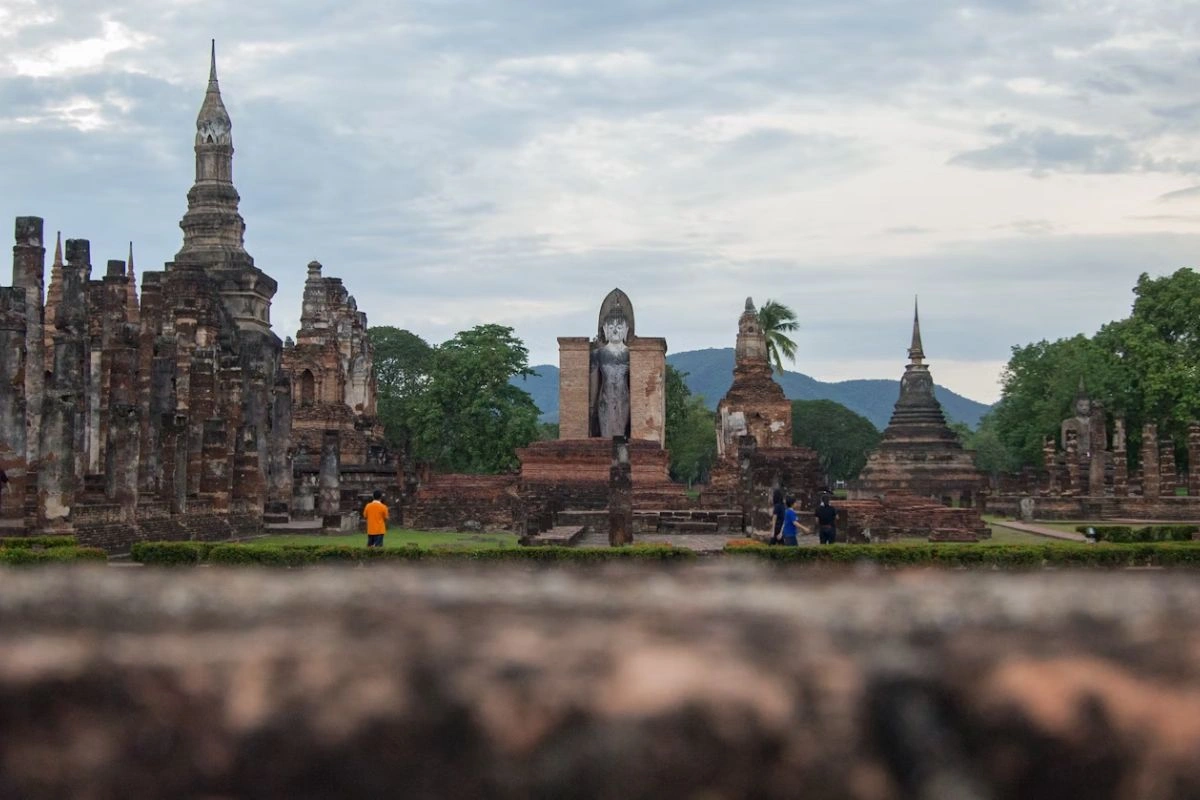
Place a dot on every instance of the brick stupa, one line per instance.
(755, 404)
(919, 455)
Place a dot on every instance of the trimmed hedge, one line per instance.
(1149, 533)
(36, 542)
(23, 556)
(1064, 554)
(300, 555)
(170, 554)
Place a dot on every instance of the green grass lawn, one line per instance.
(401, 538)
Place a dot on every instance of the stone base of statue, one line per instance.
(589, 460)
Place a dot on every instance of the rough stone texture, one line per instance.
(12, 399)
(899, 517)
(1149, 469)
(330, 500)
(692, 682)
(755, 404)
(447, 501)
(620, 495)
(29, 259)
(648, 389)
(573, 359)
(919, 454)
(1167, 474)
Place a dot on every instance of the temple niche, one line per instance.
(919, 455)
(614, 385)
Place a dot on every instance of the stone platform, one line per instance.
(589, 460)
(713, 680)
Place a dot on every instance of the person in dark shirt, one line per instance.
(789, 523)
(3, 484)
(777, 512)
(826, 521)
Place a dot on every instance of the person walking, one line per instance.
(789, 523)
(3, 485)
(376, 515)
(826, 521)
(777, 511)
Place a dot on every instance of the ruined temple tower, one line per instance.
(919, 454)
(755, 404)
(209, 358)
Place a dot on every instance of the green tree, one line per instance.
(841, 438)
(777, 321)
(992, 456)
(402, 364)
(690, 430)
(469, 418)
(547, 431)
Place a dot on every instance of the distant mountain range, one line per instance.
(710, 373)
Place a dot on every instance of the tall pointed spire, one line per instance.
(132, 313)
(212, 123)
(53, 301)
(916, 353)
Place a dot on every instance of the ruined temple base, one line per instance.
(1076, 507)
(589, 460)
(906, 517)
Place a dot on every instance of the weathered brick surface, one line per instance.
(629, 683)
(573, 370)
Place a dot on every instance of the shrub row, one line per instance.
(21, 556)
(170, 554)
(36, 542)
(1150, 533)
(189, 553)
(985, 555)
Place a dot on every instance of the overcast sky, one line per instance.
(1016, 163)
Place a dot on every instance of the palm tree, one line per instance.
(777, 321)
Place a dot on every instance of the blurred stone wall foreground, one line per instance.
(708, 681)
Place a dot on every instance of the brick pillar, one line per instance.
(280, 480)
(249, 485)
(214, 466)
(1193, 479)
(747, 446)
(156, 389)
(574, 370)
(12, 400)
(1120, 460)
(647, 389)
(620, 495)
(1167, 474)
(175, 429)
(1050, 461)
(329, 483)
(1150, 482)
(1071, 445)
(122, 448)
(29, 260)
(61, 438)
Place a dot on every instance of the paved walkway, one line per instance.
(1041, 530)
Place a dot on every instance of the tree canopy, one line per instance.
(841, 438)
(777, 321)
(1145, 368)
(690, 430)
(453, 405)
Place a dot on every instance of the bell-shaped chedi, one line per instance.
(919, 454)
(755, 404)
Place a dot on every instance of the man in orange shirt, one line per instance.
(376, 514)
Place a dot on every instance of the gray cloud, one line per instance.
(459, 162)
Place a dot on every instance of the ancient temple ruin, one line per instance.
(170, 415)
(919, 455)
